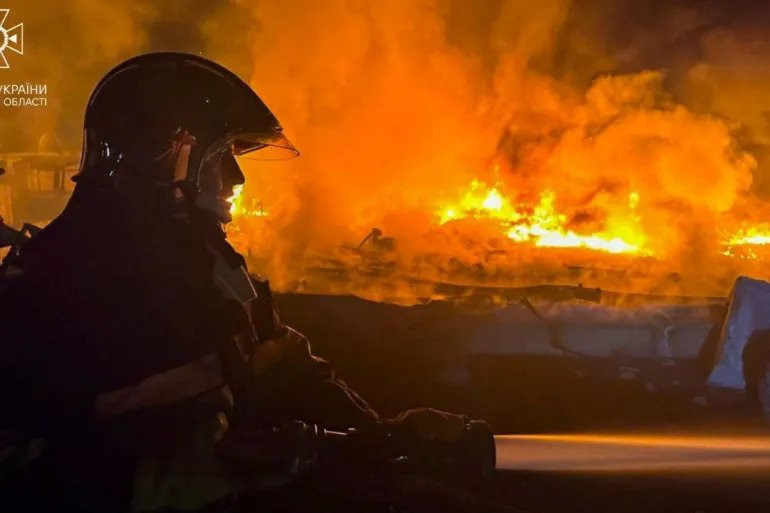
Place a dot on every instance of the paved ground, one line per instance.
(629, 473)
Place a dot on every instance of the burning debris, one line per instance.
(541, 225)
(748, 242)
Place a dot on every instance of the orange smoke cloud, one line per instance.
(400, 108)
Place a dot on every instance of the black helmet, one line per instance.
(139, 107)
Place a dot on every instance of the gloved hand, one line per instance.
(430, 424)
(288, 345)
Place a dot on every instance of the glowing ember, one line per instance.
(544, 226)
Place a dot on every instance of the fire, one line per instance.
(240, 207)
(235, 199)
(745, 242)
(754, 235)
(541, 225)
(480, 201)
(544, 226)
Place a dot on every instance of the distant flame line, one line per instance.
(544, 227)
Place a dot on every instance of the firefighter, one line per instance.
(136, 324)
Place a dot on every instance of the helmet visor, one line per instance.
(254, 146)
(273, 146)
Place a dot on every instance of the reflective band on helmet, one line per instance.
(167, 387)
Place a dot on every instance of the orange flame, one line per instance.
(544, 227)
(745, 242)
(240, 208)
(753, 235)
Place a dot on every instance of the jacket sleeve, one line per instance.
(295, 384)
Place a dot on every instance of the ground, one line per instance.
(397, 358)
(682, 491)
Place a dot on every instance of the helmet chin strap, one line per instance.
(181, 164)
(182, 146)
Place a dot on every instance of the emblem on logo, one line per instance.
(10, 38)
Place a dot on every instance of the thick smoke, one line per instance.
(398, 106)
